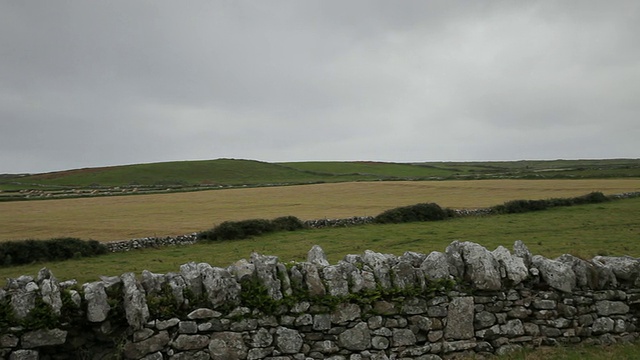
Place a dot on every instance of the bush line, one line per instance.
(29, 251)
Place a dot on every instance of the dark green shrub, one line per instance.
(591, 198)
(287, 223)
(29, 251)
(418, 212)
(233, 230)
(521, 206)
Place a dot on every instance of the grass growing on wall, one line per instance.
(609, 228)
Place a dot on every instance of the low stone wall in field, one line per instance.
(465, 301)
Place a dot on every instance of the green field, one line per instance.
(208, 174)
(609, 228)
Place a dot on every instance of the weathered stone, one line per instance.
(259, 353)
(8, 341)
(435, 266)
(242, 269)
(336, 280)
(381, 265)
(414, 305)
(345, 312)
(43, 337)
(403, 337)
(311, 279)
(356, 338)
(150, 345)
(522, 251)
(404, 275)
(555, 273)
(97, 304)
(151, 282)
(285, 280)
(414, 258)
(515, 268)
(189, 355)
(626, 268)
(23, 300)
(24, 355)
(220, 286)
(321, 322)
(460, 319)
(453, 253)
(165, 324)
(266, 271)
(177, 285)
(379, 342)
(262, 338)
(192, 278)
(317, 256)
(460, 345)
(134, 301)
(602, 325)
(606, 307)
(190, 342)
(480, 267)
(507, 349)
(512, 328)
(288, 341)
(187, 327)
(142, 334)
(484, 319)
(203, 313)
(227, 346)
(325, 347)
(156, 356)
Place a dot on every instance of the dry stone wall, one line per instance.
(464, 301)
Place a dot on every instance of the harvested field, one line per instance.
(124, 217)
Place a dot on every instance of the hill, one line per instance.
(223, 173)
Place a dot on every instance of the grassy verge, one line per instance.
(617, 352)
(587, 230)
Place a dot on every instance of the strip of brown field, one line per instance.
(125, 217)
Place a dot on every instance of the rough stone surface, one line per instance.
(460, 319)
(514, 266)
(435, 266)
(43, 337)
(150, 345)
(97, 304)
(135, 302)
(288, 341)
(227, 346)
(555, 273)
(357, 338)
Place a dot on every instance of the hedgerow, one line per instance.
(418, 212)
(30, 251)
(234, 230)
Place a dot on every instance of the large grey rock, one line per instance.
(23, 300)
(606, 308)
(242, 269)
(285, 279)
(262, 338)
(288, 341)
(555, 273)
(522, 251)
(460, 319)
(152, 282)
(227, 346)
(311, 279)
(336, 280)
(357, 338)
(50, 292)
(148, 346)
(317, 256)
(514, 266)
(24, 355)
(436, 266)
(604, 275)
(190, 342)
(380, 265)
(97, 304)
(480, 267)
(587, 275)
(626, 268)
(403, 337)
(192, 278)
(43, 337)
(220, 286)
(414, 258)
(266, 271)
(345, 312)
(134, 301)
(405, 275)
(454, 259)
(177, 285)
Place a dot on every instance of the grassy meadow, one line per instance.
(607, 229)
(125, 217)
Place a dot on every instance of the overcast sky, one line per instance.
(96, 83)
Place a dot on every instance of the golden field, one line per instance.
(125, 217)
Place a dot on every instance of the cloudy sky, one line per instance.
(96, 83)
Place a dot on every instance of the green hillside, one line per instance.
(207, 174)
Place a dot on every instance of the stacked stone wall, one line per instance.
(462, 302)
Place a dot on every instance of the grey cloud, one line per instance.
(127, 82)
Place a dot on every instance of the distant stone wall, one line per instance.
(368, 306)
